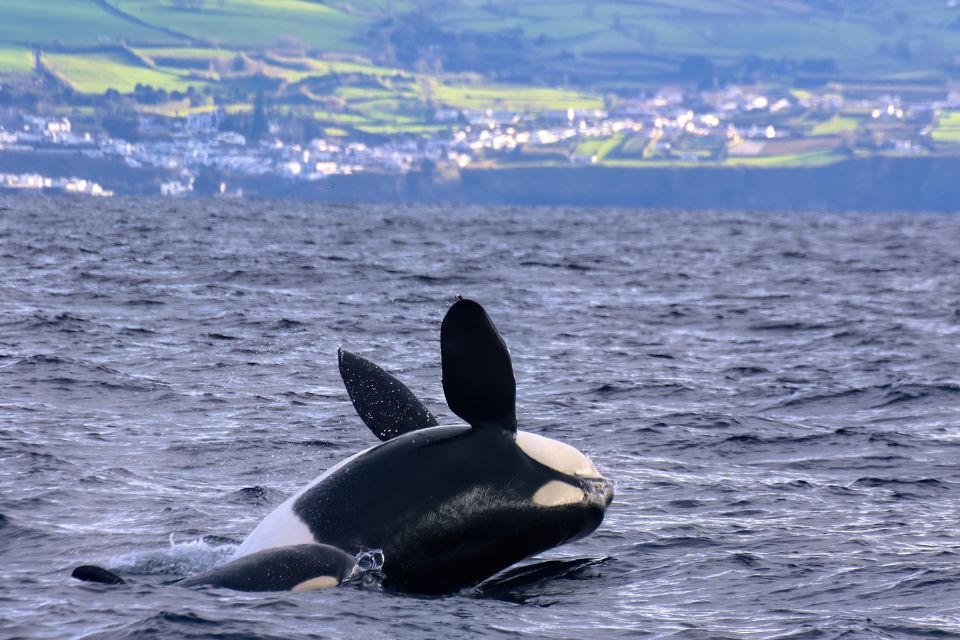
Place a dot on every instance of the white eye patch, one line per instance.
(556, 494)
(556, 455)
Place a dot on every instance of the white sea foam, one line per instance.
(179, 559)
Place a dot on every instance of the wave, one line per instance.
(871, 397)
(184, 624)
(63, 371)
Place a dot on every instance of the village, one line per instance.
(735, 126)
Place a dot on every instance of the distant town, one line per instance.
(734, 126)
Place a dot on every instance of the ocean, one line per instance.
(775, 396)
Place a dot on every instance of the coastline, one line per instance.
(877, 183)
(869, 184)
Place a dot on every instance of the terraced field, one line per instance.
(15, 59)
(98, 72)
(70, 22)
(255, 23)
(385, 66)
(609, 41)
(514, 98)
(882, 37)
(948, 129)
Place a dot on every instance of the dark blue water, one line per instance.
(777, 399)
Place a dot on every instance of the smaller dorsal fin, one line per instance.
(478, 377)
(384, 403)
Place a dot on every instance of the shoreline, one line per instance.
(868, 184)
(878, 183)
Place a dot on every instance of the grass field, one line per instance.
(97, 72)
(14, 59)
(811, 159)
(327, 58)
(835, 125)
(600, 147)
(517, 98)
(859, 40)
(254, 23)
(948, 129)
(606, 43)
(187, 54)
(69, 22)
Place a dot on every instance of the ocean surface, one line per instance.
(776, 397)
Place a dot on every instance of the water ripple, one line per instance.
(774, 397)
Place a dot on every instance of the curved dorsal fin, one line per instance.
(384, 403)
(478, 377)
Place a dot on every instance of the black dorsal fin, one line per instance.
(384, 403)
(477, 374)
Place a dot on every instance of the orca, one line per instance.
(299, 567)
(443, 507)
(448, 506)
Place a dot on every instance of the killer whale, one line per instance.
(447, 506)
(300, 567)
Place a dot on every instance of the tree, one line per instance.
(697, 68)
(259, 125)
(123, 126)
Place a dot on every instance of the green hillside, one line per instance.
(98, 72)
(386, 66)
(255, 23)
(602, 44)
(72, 22)
(15, 59)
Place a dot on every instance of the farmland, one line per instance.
(593, 45)
(69, 22)
(254, 23)
(98, 72)
(372, 69)
(948, 129)
(15, 59)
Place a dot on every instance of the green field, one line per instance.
(813, 158)
(386, 66)
(948, 129)
(516, 98)
(614, 43)
(891, 38)
(197, 54)
(70, 22)
(14, 59)
(253, 23)
(835, 125)
(600, 147)
(859, 39)
(97, 72)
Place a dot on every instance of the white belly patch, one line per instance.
(283, 527)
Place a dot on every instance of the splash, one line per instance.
(179, 559)
(368, 572)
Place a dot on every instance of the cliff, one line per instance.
(869, 184)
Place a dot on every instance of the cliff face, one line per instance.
(871, 184)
